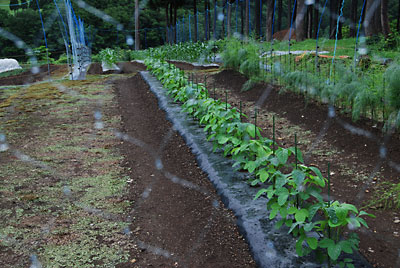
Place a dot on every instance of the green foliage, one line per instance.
(244, 58)
(293, 191)
(393, 79)
(192, 52)
(112, 56)
(388, 196)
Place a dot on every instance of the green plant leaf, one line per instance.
(259, 193)
(346, 246)
(283, 195)
(365, 213)
(312, 242)
(321, 180)
(250, 166)
(334, 251)
(250, 129)
(298, 177)
(280, 180)
(282, 155)
(292, 210)
(301, 215)
(263, 174)
(222, 139)
(326, 242)
(299, 247)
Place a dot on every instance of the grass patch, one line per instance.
(72, 214)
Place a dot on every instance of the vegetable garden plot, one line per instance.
(358, 76)
(338, 146)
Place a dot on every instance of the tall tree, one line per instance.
(333, 18)
(195, 20)
(247, 19)
(369, 21)
(206, 19)
(301, 9)
(215, 21)
(398, 16)
(257, 18)
(289, 13)
(385, 18)
(280, 7)
(316, 19)
(268, 21)
(309, 21)
(242, 3)
(137, 34)
(353, 16)
(229, 19)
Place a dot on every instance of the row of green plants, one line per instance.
(363, 89)
(293, 190)
(192, 52)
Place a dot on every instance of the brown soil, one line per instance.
(351, 156)
(125, 68)
(284, 35)
(189, 66)
(180, 220)
(27, 77)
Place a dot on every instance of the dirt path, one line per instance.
(185, 227)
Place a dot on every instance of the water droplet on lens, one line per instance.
(97, 115)
(35, 70)
(98, 125)
(3, 147)
(159, 164)
(331, 112)
(129, 40)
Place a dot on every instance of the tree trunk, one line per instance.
(166, 24)
(242, 17)
(301, 9)
(377, 18)
(205, 20)
(223, 23)
(195, 19)
(398, 17)
(215, 20)
(229, 20)
(316, 19)
(175, 18)
(246, 18)
(309, 21)
(268, 21)
(137, 34)
(257, 18)
(280, 7)
(339, 34)
(384, 18)
(333, 18)
(369, 24)
(353, 17)
(289, 12)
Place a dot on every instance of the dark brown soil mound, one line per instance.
(28, 77)
(177, 219)
(125, 68)
(284, 35)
